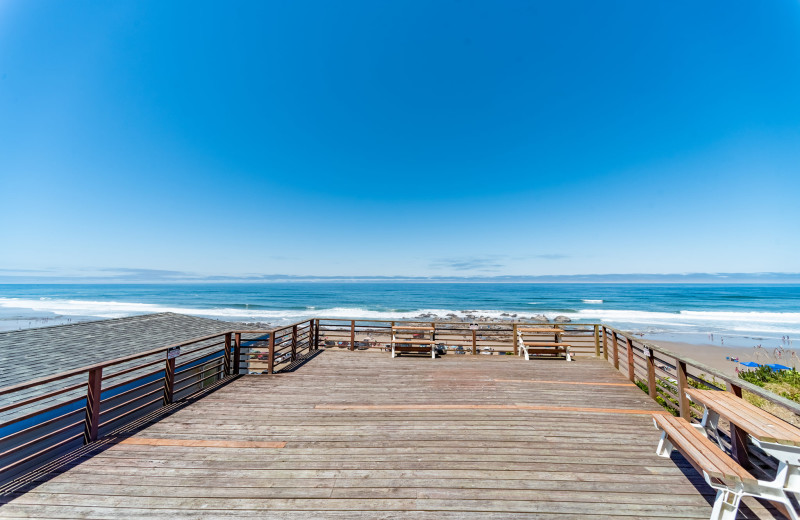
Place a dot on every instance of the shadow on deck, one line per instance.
(367, 436)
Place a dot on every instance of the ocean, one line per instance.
(738, 315)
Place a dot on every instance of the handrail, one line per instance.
(105, 364)
(230, 349)
(27, 438)
(716, 374)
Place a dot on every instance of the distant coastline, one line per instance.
(149, 276)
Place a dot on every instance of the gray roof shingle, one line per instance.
(35, 353)
(32, 353)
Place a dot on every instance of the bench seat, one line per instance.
(720, 471)
(528, 348)
(702, 453)
(420, 344)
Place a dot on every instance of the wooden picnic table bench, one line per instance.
(528, 346)
(721, 472)
(776, 437)
(414, 345)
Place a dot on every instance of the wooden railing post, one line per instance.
(631, 364)
(294, 343)
(237, 352)
(651, 373)
(514, 339)
(93, 391)
(605, 343)
(739, 436)
(683, 401)
(352, 335)
(596, 340)
(615, 347)
(313, 334)
(227, 358)
(271, 353)
(474, 342)
(169, 380)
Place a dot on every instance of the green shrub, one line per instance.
(785, 383)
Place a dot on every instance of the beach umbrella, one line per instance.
(776, 366)
(749, 364)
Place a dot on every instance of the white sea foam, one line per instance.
(592, 301)
(778, 323)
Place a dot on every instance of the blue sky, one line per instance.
(399, 138)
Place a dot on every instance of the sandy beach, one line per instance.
(714, 355)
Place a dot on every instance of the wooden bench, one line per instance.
(774, 436)
(413, 345)
(529, 346)
(720, 471)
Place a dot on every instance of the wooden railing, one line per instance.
(280, 347)
(457, 336)
(666, 375)
(48, 416)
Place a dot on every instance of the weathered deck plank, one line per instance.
(371, 437)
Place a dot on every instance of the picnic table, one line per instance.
(773, 435)
(530, 341)
(415, 344)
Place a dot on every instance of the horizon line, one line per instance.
(147, 276)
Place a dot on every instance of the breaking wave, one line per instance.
(766, 322)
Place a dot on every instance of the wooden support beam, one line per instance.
(316, 334)
(228, 368)
(514, 340)
(684, 405)
(631, 363)
(93, 391)
(237, 352)
(352, 335)
(294, 343)
(652, 389)
(739, 436)
(596, 341)
(169, 381)
(616, 348)
(271, 354)
(605, 343)
(474, 342)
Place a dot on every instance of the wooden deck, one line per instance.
(360, 435)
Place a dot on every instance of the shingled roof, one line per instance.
(32, 353)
